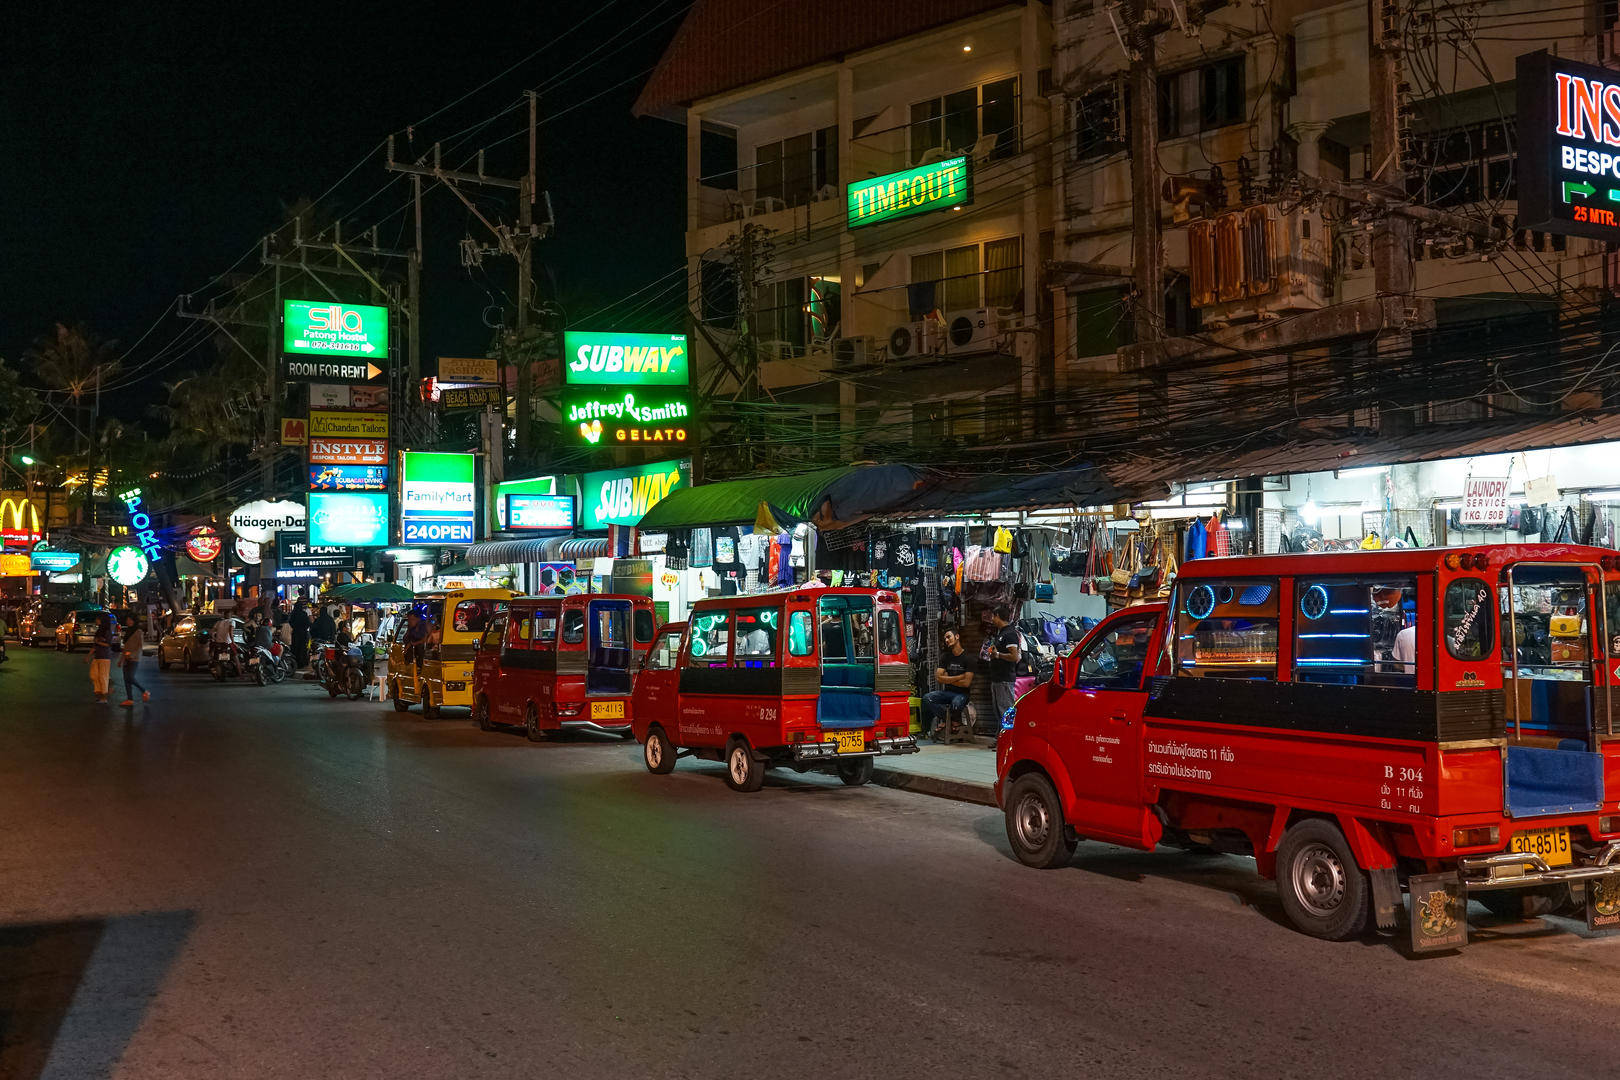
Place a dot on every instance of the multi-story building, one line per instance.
(856, 317)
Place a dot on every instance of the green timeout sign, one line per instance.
(322, 328)
(615, 359)
(938, 186)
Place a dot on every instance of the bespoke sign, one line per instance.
(260, 520)
(357, 425)
(294, 552)
(471, 397)
(55, 562)
(438, 498)
(318, 327)
(625, 359)
(623, 496)
(937, 186)
(348, 519)
(128, 565)
(1568, 161)
(348, 477)
(468, 369)
(335, 396)
(294, 431)
(597, 415)
(540, 512)
(348, 451)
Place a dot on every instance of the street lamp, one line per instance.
(26, 460)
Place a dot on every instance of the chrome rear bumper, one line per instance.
(592, 725)
(1481, 873)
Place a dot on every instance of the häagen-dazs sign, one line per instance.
(260, 520)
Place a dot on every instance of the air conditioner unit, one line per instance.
(854, 352)
(972, 331)
(1257, 263)
(914, 339)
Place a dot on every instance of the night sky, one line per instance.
(146, 147)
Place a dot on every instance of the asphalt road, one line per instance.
(236, 882)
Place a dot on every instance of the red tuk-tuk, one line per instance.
(1434, 720)
(806, 678)
(559, 663)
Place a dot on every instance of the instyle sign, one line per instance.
(1568, 162)
(540, 512)
(318, 327)
(626, 359)
(348, 518)
(260, 520)
(612, 415)
(348, 451)
(294, 552)
(468, 369)
(623, 496)
(471, 397)
(348, 477)
(438, 498)
(340, 425)
(937, 186)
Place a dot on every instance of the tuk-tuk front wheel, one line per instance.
(1035, 826)
(531, 724)
(744, 772)
(855, 773)
(399, 705)
(1323, 892)
(658, 753)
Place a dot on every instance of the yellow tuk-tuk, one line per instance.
(437, 670)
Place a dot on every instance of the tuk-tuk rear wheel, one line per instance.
(1323, 891)
(744, 772)
(481, 713)
(531, 724)
(658, 753)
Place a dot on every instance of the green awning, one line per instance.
(736, 502)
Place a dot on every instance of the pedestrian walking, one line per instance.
(300, 634)
(101, 654)
(134, 644)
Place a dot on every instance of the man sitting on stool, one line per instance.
(954, 678)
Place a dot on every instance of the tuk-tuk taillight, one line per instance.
(1476, 837)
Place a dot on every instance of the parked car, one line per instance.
(186, 642)
(78, 629)
(561, 663)
(39, 622)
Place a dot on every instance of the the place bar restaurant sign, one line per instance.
(940, 185)
(1569, 147)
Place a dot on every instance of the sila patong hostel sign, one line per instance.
(1568, 166)
(323, 340)
(940, 185)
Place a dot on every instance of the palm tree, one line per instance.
(76, 362)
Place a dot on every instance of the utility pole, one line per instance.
(1392, 237)
(517, 243)
(1147, 247)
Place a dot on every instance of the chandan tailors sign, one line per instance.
(940, 185)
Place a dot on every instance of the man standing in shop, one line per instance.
(1004, 653)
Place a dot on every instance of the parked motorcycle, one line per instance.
(264, 666)
(348, 672)
(225, 662)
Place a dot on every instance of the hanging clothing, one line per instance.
(1197, 538)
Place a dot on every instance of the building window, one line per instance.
(794, 169)
(955, 280)
(1464, 165)
(1102, 322)
(1202, 98)
(1002, 418)
(954, 123)
(780, 313)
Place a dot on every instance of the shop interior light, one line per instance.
(1309, 514)
(1362, 470)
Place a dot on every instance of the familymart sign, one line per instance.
(938, 186)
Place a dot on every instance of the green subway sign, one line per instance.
(623, 496)
(938, 186)
(323, 328)
(598, 359)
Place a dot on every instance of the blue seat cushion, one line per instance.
(846, 707)
(1542, 781)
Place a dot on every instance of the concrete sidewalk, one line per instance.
(958, 771)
